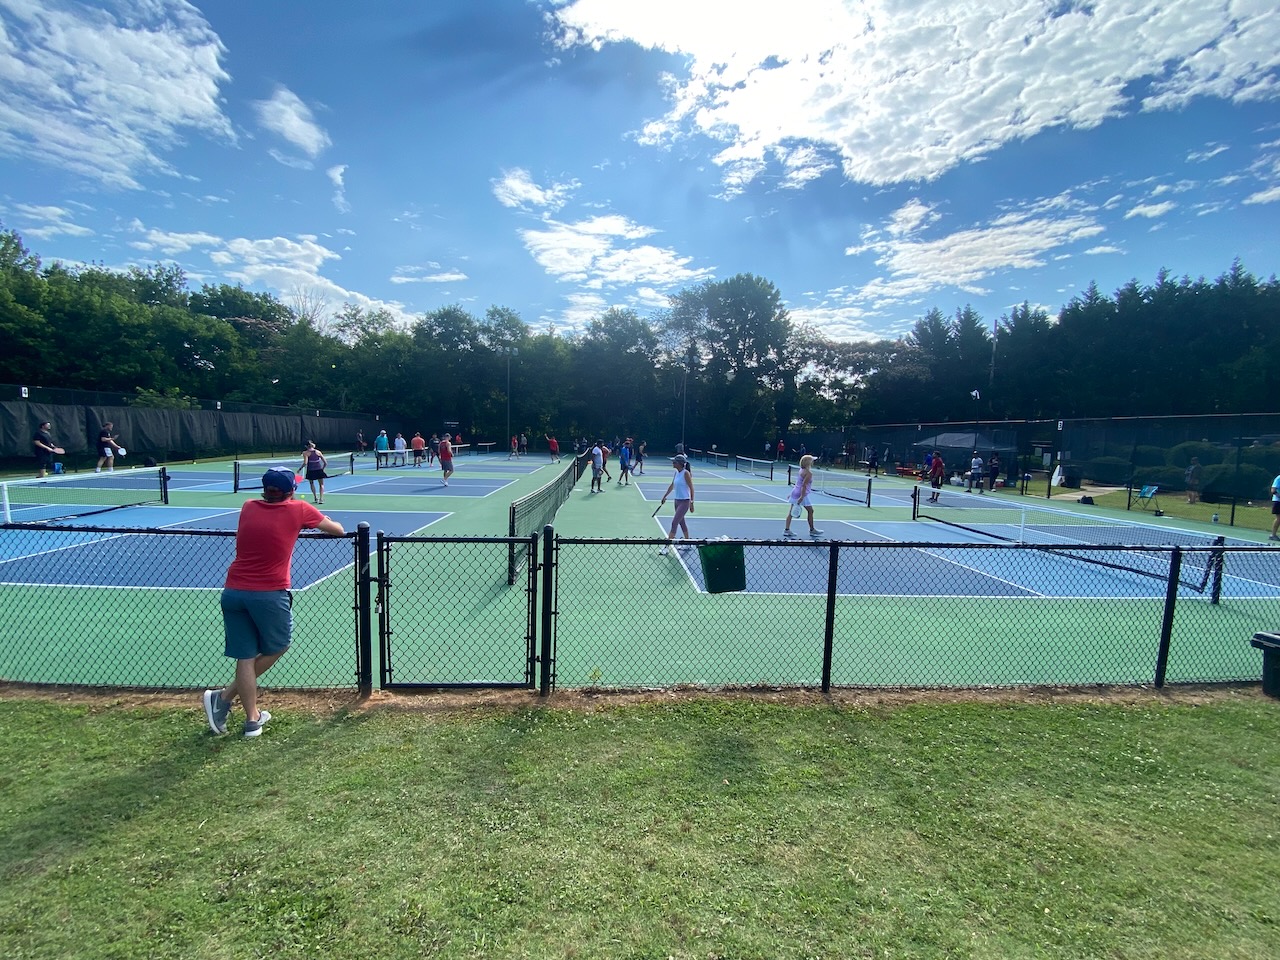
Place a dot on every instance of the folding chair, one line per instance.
(1147, 497)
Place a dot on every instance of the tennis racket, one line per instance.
(656, 509)
(796, 510)
(121, 452)
(58, 450)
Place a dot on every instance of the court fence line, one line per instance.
(614, 614)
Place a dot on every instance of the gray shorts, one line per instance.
(256, 622)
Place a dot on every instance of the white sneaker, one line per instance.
(815, 533)
(662, 551)
(788, 534)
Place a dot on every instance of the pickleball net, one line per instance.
(68, 496)
(532, 512)
(757, 468)
(247, 474)
(387, 459)
(1016, 522)
(836, 483)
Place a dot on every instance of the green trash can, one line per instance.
(724, 568)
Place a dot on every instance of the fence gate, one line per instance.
(433, 632)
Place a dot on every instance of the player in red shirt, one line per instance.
(446, 458)
(257, 616)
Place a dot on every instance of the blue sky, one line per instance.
(871, 159)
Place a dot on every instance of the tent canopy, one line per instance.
(965, 440)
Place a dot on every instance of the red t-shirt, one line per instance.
(418, 443)
(553, 445)
(265, 537)
(446, 451)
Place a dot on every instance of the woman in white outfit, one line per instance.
(682, 486)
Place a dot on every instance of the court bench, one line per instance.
(1269, 644)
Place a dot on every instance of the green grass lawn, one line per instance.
(1041, 826)
(1255, 515)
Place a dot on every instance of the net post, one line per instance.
(4, 493)
(1166, 625)
(164, 486)
(235, 476)
(364, 612)
(868, 493)
(1217, 560)
(915, 502)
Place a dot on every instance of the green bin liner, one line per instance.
(724, 568)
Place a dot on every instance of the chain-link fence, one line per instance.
(919, 615)
(125, 607)
(101, 606)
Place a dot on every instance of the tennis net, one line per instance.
(757, 468)
(844, 484)
(82, 494)
(247, 474)
(1017, 522)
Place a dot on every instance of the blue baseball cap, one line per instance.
(280, 478)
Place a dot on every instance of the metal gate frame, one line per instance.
(385, 628)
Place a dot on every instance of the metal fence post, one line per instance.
(364, 613)
(1166, 627)
(548, 582)
(828, 641)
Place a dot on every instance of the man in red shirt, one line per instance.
(419, 446)
(937, 471)
(446, 458)
(257, 615)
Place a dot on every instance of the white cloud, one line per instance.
(418, 275)
(916, 259)
(1150, 210)
(49, 222)
(1270, 195)
(105, 93)
(337, 175)
(1102, 249)
(595, 254)
(170, 244)
(1208, 153)
(904, 91)
(285, 115)
(515, 188)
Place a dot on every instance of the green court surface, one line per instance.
(625, 616)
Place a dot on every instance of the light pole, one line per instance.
(976, 397)
(510, 352)
(684, 407)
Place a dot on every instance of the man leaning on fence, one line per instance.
(257, 607)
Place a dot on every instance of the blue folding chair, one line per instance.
(1147, 497)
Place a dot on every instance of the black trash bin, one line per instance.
(724, 568)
